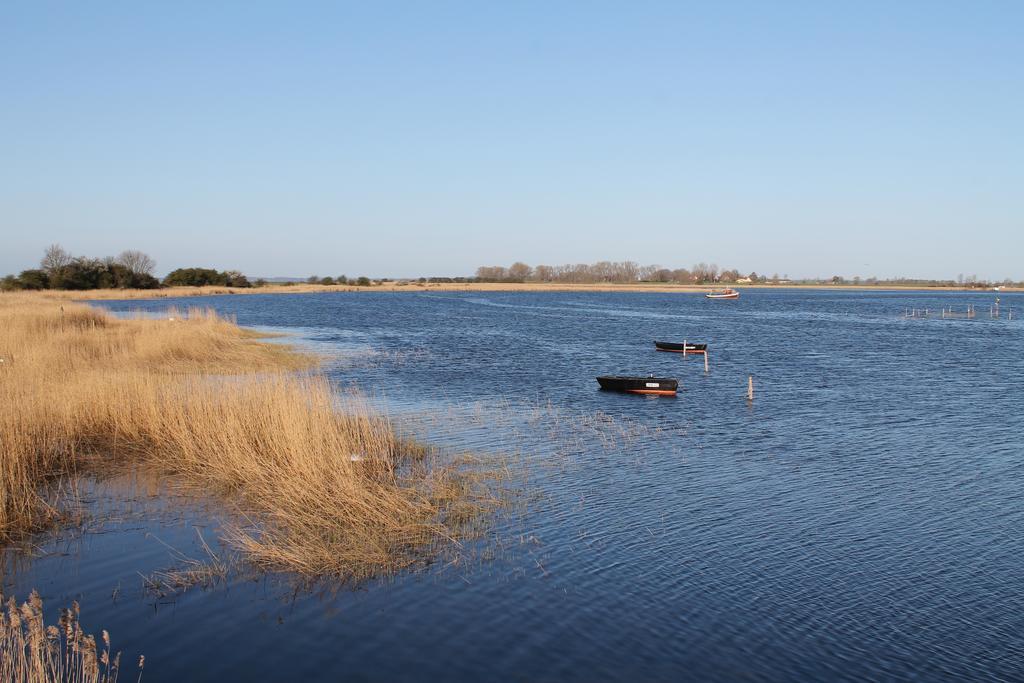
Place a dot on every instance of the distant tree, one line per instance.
(491, 273)
(662, 275)
(341, 280)
(543, 273)
(260, 282)
(33, 279)
(837, 279)
(682, 275)
(136, 261)
(233, 278)
(54, 259)
(313, 280)
(83, 273)
(327, 281)
(363, 281)
(519, 272)
(9, 283)
(194, 277)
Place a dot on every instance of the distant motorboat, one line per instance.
(660, 386)
(727, 293)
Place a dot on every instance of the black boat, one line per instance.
(662, 386)
(679, 348)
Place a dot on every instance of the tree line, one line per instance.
(131, 269)
(361, 281)
(699, 273)
(614, 272)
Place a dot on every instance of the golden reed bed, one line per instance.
(322, 488)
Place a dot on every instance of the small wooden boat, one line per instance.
(661, 386)
(685, 347)
(727, 293)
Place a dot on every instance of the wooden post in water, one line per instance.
(750, 387)
(705, 361)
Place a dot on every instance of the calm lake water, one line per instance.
(862, 519)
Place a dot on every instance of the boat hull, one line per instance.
(658, 386)
(675, 347)
(734, 295)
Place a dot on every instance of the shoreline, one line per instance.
(307, 484)
(413, 287)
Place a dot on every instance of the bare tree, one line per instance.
(519, 272)
(544, 273)
(54, 259)
(137, 262)
(491, 273)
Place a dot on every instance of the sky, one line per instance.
(428, 138)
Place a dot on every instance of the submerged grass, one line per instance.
(312, 486)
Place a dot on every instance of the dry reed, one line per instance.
(32, 652)
(315, 489)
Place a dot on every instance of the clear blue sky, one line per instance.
(400, 139)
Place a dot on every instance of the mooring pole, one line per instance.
(705, 360)
(750, 387)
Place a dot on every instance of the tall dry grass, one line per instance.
(32, 652)
(313, 488)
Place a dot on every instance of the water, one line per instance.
(862, 519)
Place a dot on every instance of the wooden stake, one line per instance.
(705, 360)
(750, 387)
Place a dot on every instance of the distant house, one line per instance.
(744, 281)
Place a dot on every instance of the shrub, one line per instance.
(33, 279)
(193, 277)
(201, 277)
(233, 278)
